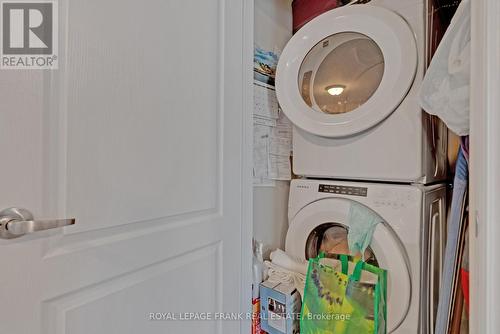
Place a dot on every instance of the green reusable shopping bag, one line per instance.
(337, 303)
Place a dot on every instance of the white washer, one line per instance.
(408, 242)
(348, 80)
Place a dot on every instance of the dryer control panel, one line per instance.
(343, 190)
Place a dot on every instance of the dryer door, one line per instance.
(323, 226)
(346, 70)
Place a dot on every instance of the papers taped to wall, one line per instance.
(272, 151)
(272, 130)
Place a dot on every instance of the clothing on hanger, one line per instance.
(445, 88)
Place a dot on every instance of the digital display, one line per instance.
(343, 190)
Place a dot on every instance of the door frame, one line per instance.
(484, 167)
(484, 174)
(247, 164)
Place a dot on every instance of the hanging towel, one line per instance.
(460, 185)
(445, 88)
(362, 222)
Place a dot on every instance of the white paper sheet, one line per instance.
(260, 151)
(280, 146)
(279, 167)
(265, 101)
(264, 121)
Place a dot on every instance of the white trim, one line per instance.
(484, 167)
(247, 163)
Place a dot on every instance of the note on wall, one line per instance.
(261, 135)
(272, 130)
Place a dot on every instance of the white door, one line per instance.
(138, 136)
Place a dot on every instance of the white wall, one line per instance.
(273, 23)
(484, 172)
(273, 28)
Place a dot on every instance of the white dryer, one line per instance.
(407, 242)
(348, 81)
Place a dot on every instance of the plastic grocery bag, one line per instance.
(337, 302)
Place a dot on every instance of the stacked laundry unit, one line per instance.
(369, 161)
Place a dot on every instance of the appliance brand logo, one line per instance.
(29, 35)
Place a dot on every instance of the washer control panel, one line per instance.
(343, 190)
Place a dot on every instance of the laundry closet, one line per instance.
(347, 162)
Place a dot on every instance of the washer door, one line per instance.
(346, 70)
(323, 225)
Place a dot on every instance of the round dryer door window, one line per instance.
(347, 70)
(341, 73)
(324, 225)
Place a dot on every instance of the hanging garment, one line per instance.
(363, 222)
(464, 144)
(445, 88)
(455, 229)
(305, 10)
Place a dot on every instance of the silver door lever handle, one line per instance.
(30, 226)
(15, 222)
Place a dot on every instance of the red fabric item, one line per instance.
(464, 278)
(306, 10)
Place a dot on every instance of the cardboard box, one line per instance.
(280, 308)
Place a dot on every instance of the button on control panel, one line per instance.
(343, 190)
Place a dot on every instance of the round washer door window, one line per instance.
(347, 70)
(331, 238)
(322, 225)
